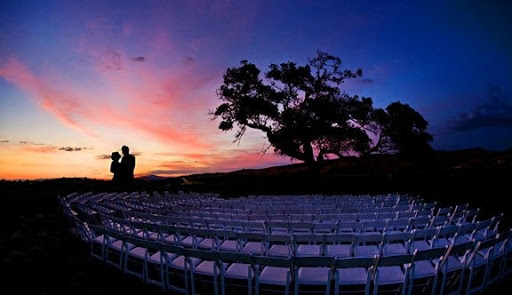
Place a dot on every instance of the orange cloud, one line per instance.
(190, 163)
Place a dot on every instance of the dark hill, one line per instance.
(462, 170)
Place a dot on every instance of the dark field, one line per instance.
(41, 256)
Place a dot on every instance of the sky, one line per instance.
(79, 79)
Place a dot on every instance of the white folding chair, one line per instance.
(338, 245)
(204, 274)
(279, 245)
(308, 245)
(478, 266)
(367, 245)
(353, 274)
(312, 271)
(453, 266)
(272, 272)
(396, 243)
(392, 273)
(237, 272)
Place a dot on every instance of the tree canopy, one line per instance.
(306, 115)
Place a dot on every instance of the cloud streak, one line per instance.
(191, 163)
(73, 149)
(495, 112)
(58, 103)
(151, 103)
(45, 148)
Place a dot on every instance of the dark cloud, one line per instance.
(107, 157)
(496, 111)
(4, 141)
(30, 142)
(70, 149)
(188, 60)
(111, 60)
(366, 81)
(139, 59)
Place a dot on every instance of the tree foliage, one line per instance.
(305, 114)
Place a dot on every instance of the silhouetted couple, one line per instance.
(123, 170)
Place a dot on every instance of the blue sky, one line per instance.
(94, 75)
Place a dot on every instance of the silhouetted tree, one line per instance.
(301, 109)
(401, 129)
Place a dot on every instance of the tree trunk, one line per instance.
(309, 157)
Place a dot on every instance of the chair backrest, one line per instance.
(316, 261)
(228, 256)
(271, 261)
(372, 238)
(251, 236)
(403, 259)
(308, 239)
(397, 237)
(344, 238)
(481, 245)
(459, 250)
(430, 254)
(352, 226)
(353, 262)
(425, 234)
(201, 254)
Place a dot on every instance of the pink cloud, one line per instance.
(148, 107)
(56, 102)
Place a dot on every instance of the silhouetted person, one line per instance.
(127, 165)
(115, 167)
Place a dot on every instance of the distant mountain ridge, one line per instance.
(466, 158)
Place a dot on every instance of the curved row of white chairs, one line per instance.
(292, 248)
(467, 267)
(319, 243)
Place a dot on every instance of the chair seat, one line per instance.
(279, 232)
(153, 236)
(394, 249)
(452, 264)
(366, 251)
(179, 263)
(190, 241)
(207, 268)
(313, 275)
(420, 245)
(238, 271)
(478, 261)
(253, 248)
(390, 275)
(352, 276)
(279, 250)
(118, 245)
(309, 250)
(155, 258)
(229, 245)
(99, 239)
(423, 269)
(138, 252)
(338, 250)
(274, 275)
(207, 243)
(442, 242)
(170, 239)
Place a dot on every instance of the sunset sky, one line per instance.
(79, 79)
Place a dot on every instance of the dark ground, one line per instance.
(40, 256)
